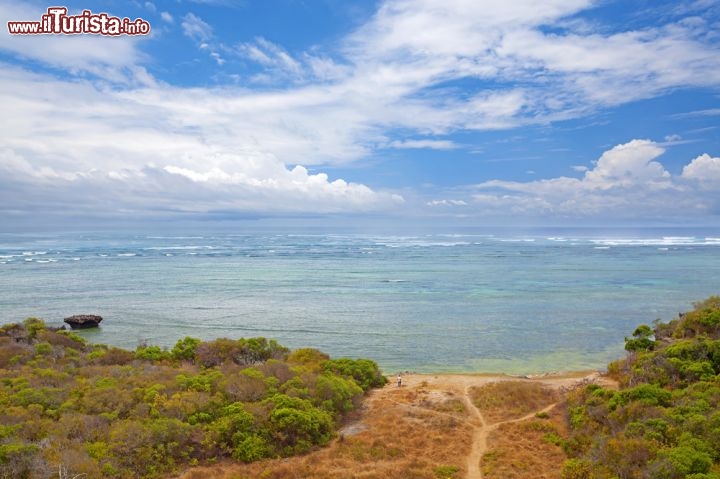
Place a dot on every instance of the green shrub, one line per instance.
(185, 348)
(576, 469)
(151, 353)
(666, 425)
(681, 461)
(108, 412)
(446, 472)
(364, 371)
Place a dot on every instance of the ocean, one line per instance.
(512, 302)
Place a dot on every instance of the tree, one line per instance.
(641, 341)
(185, 348)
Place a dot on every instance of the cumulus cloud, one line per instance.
(626, 181)
(155, 148)
(627, 165)
(704, 170)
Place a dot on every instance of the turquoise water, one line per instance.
(507, 302)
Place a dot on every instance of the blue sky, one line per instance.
(467, 111)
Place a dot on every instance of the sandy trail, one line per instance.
(480, 435)
(461, 385)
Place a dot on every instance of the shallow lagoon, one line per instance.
(509, 302)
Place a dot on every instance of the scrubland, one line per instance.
(250, 408)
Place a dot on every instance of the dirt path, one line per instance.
(482, 431)
(480, 435)
(461, 384)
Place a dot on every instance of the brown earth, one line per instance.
(438, 427)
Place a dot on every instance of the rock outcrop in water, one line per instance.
(83, 321)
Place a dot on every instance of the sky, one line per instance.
(470, 112)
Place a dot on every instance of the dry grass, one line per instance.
(527, 449)
(505, 400)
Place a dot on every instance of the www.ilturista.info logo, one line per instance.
(58, 22)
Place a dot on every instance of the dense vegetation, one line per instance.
(664, 421)
(68, 408)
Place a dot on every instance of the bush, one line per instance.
(446, 472)
(185, 348)
(641, 341)
(576, 469)
(364, 371)
(151, 353)
(71, 408)
(679, 462)
(295, 425)
(666, 425)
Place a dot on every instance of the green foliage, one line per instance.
(446, 472)
(678, 462)
(250, 447)
(295, 425)
(244, 352)
(107, 412)
(184, 349)
(664, 422)
(337, 393)
(364, 371)
(206, 381)
(576, 469)
(641, 339)
(43, 349)
(307, 356)
(33, 326)
(151, 353)
(703, 320)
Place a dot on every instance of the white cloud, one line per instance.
(279, 64)
(625, 182)
(411, 45)
(202, 34)
(195, 28)
(167, 17)
(446, 203)
(705, 170)
(161, 147)
(326, 69)
(700, 113)
(218, 59)
(420, 144)
(628, 165)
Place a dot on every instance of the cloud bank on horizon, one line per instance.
(562, 110)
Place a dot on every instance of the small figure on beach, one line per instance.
(399, 380)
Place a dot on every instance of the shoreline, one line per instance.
(557, 380)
